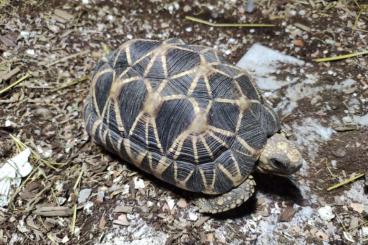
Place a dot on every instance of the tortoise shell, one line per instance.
(179, 112)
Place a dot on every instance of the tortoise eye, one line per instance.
(276, 163)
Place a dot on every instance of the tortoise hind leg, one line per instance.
(229, 200)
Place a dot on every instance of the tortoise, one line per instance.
(183, 114)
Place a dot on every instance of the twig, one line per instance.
(74, 219)
(341, 57)
(72, 225)
(15, 83)
(72, 83)
(347, 181)
(22, 146)
(357, 226)
(78, 180)
(37, 198)
(226, 24)
(46, 62)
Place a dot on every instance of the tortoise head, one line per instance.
(279, 156)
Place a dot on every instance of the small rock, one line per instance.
(24, 34)
(65, 239)
(42, 112)
(210, 238)
(340, 152)
(326, 213)
(87, 208)
(182, 203)
(122, 220)
(10, 124)
(83, 195)
(250, 6)
(299, 42)
(30, 52)
(192, 216)
(138, 183)
(189, 29)
(187, 8)
(365, 231)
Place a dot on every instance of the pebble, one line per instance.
(365, 231)
(30, 52)
(138, 183)
(189, 29)
(182, 203)
(340, 152)
(326, 213)
(9, 124)
(87, 208)
(192, 216)
(24, 34)
(83, 195)
(187, 8)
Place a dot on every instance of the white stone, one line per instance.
(30, 52)
(138, 183)
(365, 231)
(188, 29)
(83, 195)
(192, 216)
(326, 213)
(24, 34)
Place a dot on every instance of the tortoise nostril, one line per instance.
(276, 163)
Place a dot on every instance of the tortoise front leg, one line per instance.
(229, 200)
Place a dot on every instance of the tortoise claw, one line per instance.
(229, 200)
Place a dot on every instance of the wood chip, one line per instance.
(201, 221)
(357, 207)
(8, 40)
(102, 223)
(53, 211)
(287, 214)
(123, 209)
(10, 74)
(302, 27)
(63, 15)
